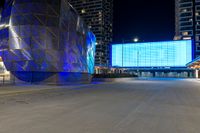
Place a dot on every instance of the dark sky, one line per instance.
(1, 2)
(150, 20)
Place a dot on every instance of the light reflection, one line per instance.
(14, 36)
(3, 26)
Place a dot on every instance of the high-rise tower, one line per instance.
(98, 15)
(188, 22)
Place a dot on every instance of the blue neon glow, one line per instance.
(152, 54)
(91, 46)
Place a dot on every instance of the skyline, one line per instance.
(141, 19)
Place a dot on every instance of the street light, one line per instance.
(136, 39)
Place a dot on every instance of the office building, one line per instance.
(98, 15)
(188, 22)
(46, 42)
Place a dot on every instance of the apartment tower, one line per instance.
(188, 22)
(98, 15)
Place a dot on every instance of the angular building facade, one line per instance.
(46, 41)
(188, 22)
(98, 15)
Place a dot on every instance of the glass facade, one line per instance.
(152, 54)
(44, 37)
(187, 22)
(98, 15)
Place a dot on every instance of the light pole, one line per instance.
(136, 39)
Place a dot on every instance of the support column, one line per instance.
(197, 74)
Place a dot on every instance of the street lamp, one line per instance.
(136, 39)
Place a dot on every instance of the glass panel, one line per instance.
(153, 54)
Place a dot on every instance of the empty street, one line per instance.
(124, 106)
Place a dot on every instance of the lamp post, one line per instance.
(136, 39)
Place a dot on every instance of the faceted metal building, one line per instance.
(46, 41)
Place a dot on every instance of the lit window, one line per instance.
(187, 38)
(185, 10)
(185, 33)
(83, 11)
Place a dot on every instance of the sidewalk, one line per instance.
(20, 89)
(30, 88)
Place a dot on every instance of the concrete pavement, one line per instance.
(126, 106)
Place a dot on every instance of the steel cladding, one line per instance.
(42, 37)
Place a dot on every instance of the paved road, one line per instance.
(128, 106)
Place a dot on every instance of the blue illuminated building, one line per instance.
(152, 54)
(46, 41)
(151, 57)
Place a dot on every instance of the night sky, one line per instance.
(1, 2)
(150, 20)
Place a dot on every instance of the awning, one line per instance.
(195, 64)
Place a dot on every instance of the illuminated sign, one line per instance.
(152, 54)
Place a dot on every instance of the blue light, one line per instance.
(53, 47)
(91, 41)
(152, 54)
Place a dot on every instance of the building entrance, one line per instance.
(5, 76)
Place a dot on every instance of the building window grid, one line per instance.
(168, 54)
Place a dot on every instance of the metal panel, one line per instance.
(45, 36)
